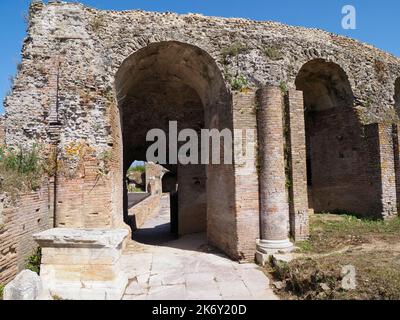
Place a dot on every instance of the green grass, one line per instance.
(34, 261)
(377, 277)
(141, 169)
(334, 232)
(1, 291)
(370, 246)
(133, 189)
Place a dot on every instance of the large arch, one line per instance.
(337, 154)
(173, 81)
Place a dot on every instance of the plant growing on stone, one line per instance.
(85, 98)
(273, 53)
(141, 169)
(232, 51)
(97, 23)
(284, 88)
(239, 83)
(103, 169)
(1, 291)
(380, 70)
(20, 170)
(73, 156)
(50, 164)
(34, 261)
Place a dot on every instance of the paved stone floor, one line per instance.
(160, 268)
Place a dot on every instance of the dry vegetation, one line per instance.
(372, 247)
(20, 170)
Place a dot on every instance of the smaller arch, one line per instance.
(336, 153)
(325, 85)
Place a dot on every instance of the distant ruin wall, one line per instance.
(138, 214)
(18, 223)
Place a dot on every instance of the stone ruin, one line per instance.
(92, 83)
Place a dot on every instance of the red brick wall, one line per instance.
(340, 162)
(274, 206)
(84, 201)
(246, 176)
(192, 199)
(380, 140)
(396, 148)
(30, 215)
(298, 193)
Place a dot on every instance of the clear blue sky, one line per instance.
(378, 22)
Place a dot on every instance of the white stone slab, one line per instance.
(92, 238)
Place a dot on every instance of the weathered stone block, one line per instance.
(26, 286)
(83, 264)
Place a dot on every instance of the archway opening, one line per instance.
(336, 153)
(174, 82)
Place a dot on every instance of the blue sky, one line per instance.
(378, 22)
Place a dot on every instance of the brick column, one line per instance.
(382, 169)
(298, 195)
(387, 158)
(246, 176)
(274, 208)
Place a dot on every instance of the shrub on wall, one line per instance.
(20, 170)
(34, 261)
(239, 83)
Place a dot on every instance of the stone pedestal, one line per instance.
(82, 264)
(274, 206)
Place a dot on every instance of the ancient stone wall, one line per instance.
(339, 163)
(139, 213)
(154, 175)
(396, 158)
(192, 204)
(2, 131)
(382, 148)
(66, 85)
(296, 167)
(246, 174)
(77, 197)
(83, 48)
(274, 204)
(18, 222)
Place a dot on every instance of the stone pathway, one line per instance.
(185, 269)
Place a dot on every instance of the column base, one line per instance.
(268, 248)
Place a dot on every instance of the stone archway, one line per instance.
(173, 81)
(337, 152)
